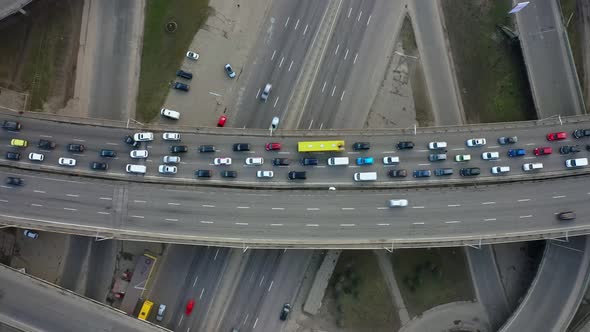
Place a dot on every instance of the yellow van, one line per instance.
(21, 143)
(146, 308)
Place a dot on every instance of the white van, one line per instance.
(532, 166)
(365, 176)
(338, 161)
(139, 169)
(170, 114)
(578, 162)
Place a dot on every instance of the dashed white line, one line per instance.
(333, 90)
(346, 54)
(337, 48)
(369, 20)
(304, 31)
(359, 18)
(417, 207)
(276, 101)
(313, 209)
(256, 321)
(560, 196)
(102, 212)
(489, 219)
(206, 222)
(291, 65)
(452, 222)
(383, 224)
(207, 205)
(528, 216)
(530, 144)
(72, 195)
(108, 143)
(423, 164)
(277, 208)
(242, 207)
(287, 22)
(106, 198)
(418, 223)
(281, 63)
(324, 86)
(270, 287)
(138, 201)
(172, 203)
(202, 292)
(453, 205)
(349, 11)
(355, 56)
(347, 208)
(140, 217)
(457, 149)
(296, 24)
(39, 191)
(276, 224)
(46, 136)
(488, 203)
(347, 225)
(70, 209)
(312, 225)
(524, 200)
(38, 205)
(3, 201)
(273, 55)
(171, 219)
(529, 157)
(382, 208)
(79, 140)
(242, 223)
(342, 96)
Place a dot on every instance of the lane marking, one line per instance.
(270, 287)
(452, 222)
(560, 196)
(207, 205)
(333, 90)
(529, 216)
(355, 56)
(346, 54)
(172, 203)
(453, 205)
(37, 205)
(417, 207)
(489, 219)
(383, 224)
(324, 86)
(102, 212)
(312, 225)
(39, 191)
(382, 208)
(418, 223)
(288, 18)
(529, 144)
(337, 48)
(106, 198)
(524, 200)
(138, 201)
(242, 223)
(349, 11)
(78, 140)
(206, 222)
(276, 101)
(242, 207)
(140, 217)
(313, 209)
(273, 55)
(488, 203)
(359, 18)
(281, 63)
(171, 219)
(108, 143)
(276, 224)
(458, 149)
(70, 209)
(72, 195)
(304, 31)
(3, 201)
(369, 20)
(277, 208)
(291, 65)
(347, 208)
(347, 225)
(342, 96)
(296, 25)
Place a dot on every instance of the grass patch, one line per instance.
(574, 33)
(491, 72)
(163, 51)
(361, 296)
(430, 277)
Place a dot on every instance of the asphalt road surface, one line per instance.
(551, 71)
(29, 303)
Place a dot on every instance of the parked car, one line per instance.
(36, 156)
(11, 125)
(171, 159)
(516, 152)
(98, 166)
(361, 146)
(46, 144)
(171, 136)
(470, 171)
(569, 215)
(19, 143)
(170, 114)
(137, 154)
(285, 311)
(203, 173)
(128, 139)
(222, 161)
(13, 181)
(364, 161)
(500, 169)
(507, 140)
(11, 155)
(229, 71)
(180, 86)
(229, 174)
(192, 55)
(532, 166)
(297, 175)
(281, 161)
(397, 173)
(76, 147)
(107, 153)
(31, 234)
(405, 145)
(579, 133)
(167, 169)
(179, 148)
(161, 311)
(184, 74)
(443, 171)
(422, 173)
(473, 142)
(540, 151)
(462, 157)
(569, 149)
(254, 161)
(557, 136)
(222, 120)
(578, 162)
(272, 146)
(66, 162)
(143, 137)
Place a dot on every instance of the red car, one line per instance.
(273, 146)
(222, 120)
(189, 306)
(556, 136)
(543, 150)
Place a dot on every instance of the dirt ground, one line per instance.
(39, 52)
(490, 70)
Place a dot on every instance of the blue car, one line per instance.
(516, 152)
(364, 161)
(180, 86)
(422, 173)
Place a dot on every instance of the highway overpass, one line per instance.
(9, 7)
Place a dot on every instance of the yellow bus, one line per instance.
(321, 146)
(146, 308)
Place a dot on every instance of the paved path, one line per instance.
(462, 316)
(386, 267)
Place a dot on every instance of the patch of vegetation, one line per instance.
(490, 69)
(407, 37)
(430, 277)
(361, 296)
(163, 51)
(574, 26)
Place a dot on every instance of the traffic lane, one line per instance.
(278, 59)
(22, 291)
(168, 282)
(253, 283)
(283, 288)
(340, 53)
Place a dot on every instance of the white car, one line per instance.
(265, 174)
(254, 161)
(531, 166)
(462, 157)
(170, 114)
(490, 155)
(143, 137)
(31, 234)
(229, 71)
(67, 162)
(476, 142)
(192, 55)
(437, 145)
(397, 203)
(36, 156)
(171, 159)
(222, 161)
(165, 169)
(136, 154)
(171, 136)
(390, 160)
(500, 169)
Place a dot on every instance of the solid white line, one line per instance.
(529, 216)
(140, 217)
(70, 209)
(242, 223)
(106, 198)
(242, 207)
(347, 225)
(102, 212)
(489, 219)
(488, 203)
(38, 205)
(39, 191)
(206, 222)
(276, 208)
(312, 225)
(313, 209)
(524, 200)
(560, 196)
(170, 219)
(172, 203)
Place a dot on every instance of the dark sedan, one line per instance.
(178, 148)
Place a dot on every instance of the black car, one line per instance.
(229, 174)
(12, 155)
(46, 144)
(295, 175)
(443, 171)
(11, 125)
(129, 140)
(581, 133)
(206, 148)
(422, 173)
(405, 145)
(75, 147)
(309, 161)
(569, 149)
(178, 148)
(470, 171)
(108, 153)
(285, 311)
(281, 161)
(241, 147)
(203, 173)
(14, 181)
(569, 215)
(361, 146)
(99, 166)
(397, 173)
(180, 86)
(184, 74)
